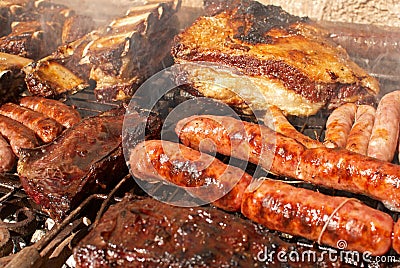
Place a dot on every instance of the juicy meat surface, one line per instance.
(79, 162)
(334, 168)
(62, 113)
(275, 58)
(148, 233)
(297, 211)
(250, 142)
(212, 180)
(47, 129)
(7, 156)
(18, 135)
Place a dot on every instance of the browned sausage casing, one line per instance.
(186, 167)
(7, 157)
(46, 129)
(17, 134)
(243, 140)
(277, 121)
(336, 168)
(345, 170)
(396, 237)
(302, 212)
(62, 113)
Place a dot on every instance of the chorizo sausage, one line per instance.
(335, 168)
(247, 141)
(17, 134)
(62, 113)
(178, 164)
(46, 129)
(325, 219)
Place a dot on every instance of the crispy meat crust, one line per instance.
(265, 41)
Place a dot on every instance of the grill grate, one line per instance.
(56, 244)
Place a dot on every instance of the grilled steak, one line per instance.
(147, 233)
(86, 158)
(273, 58)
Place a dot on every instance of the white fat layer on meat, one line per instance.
(256, 93)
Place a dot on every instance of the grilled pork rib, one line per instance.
(147, 233)
(118, 57)
(35, 28)
(273, 58)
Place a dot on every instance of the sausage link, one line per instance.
(46, 129)
(250, 142)
(318, 217)
(396, 237)
(335, 168)
(338, 125)
(17, 134)
(186, 167)
(7, 157)
(385, 132)
(62, 113)
(344, 170)
(277, 121)
(361, 131)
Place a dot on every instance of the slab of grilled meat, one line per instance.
(86, 158)
(143, 232)
(34, 28)
(131, 50)
(11, 76)
(259, 55)
(118, 56)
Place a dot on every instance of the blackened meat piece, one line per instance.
(147, 233)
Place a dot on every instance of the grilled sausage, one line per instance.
(250, 142)
(62, 113)
(46, 129)
(277, 121)
(361, 131)
(326, 219)
(7, 157)
(344, 170)
(186, 167)
(385, 132)
(17, 134)
(338, 125)
(336, 168)
(396, 237)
